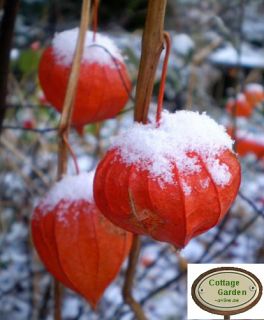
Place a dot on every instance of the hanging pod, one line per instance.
(103, 85)
(254, 93)
(171, 181)
(76, 243)
(240, 106)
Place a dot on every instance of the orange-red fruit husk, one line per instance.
(254, 97)
(133, 200)
(83, 250)
(245, 146)
(102, 91)
(243, 108)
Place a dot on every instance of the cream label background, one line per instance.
(210, 293)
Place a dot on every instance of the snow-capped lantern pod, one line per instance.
(76, 243)
(254, 93)
(103, 86)
(171, 182)
(239, 106)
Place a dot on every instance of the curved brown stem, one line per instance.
(65, 120)
(129, 277)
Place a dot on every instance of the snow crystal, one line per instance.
(179, 134)
(64, 44)
(205, 183)
(73, 188)
(241, 97)
(220, 172)
(186, 188)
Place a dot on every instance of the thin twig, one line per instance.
(240, 77)
(66, 116)
(20, 156)
(67, 110)
(199, 58)
(36, 130)
(129, 277)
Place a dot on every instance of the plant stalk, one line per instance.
(6, 34)
(152, 45)
(65, 121)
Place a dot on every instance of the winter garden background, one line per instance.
(217, 51)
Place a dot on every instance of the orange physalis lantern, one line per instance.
(103, 85)
(248, 142)
(248, 145)
(77, 244)
(171, 181)
(243, 107)
(254, 93)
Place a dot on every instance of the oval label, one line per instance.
(226, 290)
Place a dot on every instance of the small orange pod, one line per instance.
(254, 93)
(240, 107)
(103, 87)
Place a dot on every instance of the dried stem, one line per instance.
(129, 277)
(152, 45)
(6, 35)
(163, 76)
(197, 60)
(57, 300)
(71, 91)
(65, 121)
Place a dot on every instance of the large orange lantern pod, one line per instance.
(242, 105)
(254, 93)
(76, 243)
(103, 85)
(172, 181)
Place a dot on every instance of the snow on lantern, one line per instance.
(254, 93)
(173, 181)
(103, 85)
(76, 243)
(242, 105)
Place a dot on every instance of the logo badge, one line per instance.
(226, 291)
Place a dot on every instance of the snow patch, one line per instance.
(64, 44)
(182, 44)
(205, 183)
(186, 188)
(250, 56)
(182, 138)
(254, 87)
(70, 188)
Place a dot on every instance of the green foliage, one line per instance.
(28, 61)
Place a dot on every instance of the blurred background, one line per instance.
(216, 65)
